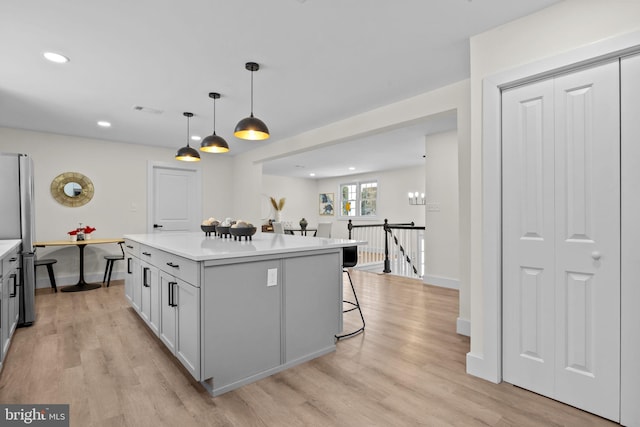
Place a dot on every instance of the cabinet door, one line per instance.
(149, 296)
(134, 282)
(13, 302)
(168, 311)
(4, 318)
(187, 299)
(128, 280)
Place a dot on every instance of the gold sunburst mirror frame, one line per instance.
(72, 189)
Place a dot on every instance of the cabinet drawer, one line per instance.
(182, 268)
(10, 261)
(132, 248)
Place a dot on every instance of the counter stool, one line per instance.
(350, 259)
(111, 259)
(49, 264)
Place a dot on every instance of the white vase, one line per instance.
(277, 216)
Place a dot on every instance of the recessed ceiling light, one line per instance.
(104, 124)
(312, 174)
(352, 168)
(56, 57)
(196, 138)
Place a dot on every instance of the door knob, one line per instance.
(157, 226)
(596, 255)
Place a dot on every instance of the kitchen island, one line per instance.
(231, 311)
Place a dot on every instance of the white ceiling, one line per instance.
(321, 61)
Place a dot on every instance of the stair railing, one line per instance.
(400, 245)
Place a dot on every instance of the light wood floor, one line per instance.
(89, 349)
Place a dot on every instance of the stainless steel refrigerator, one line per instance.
(17, 222)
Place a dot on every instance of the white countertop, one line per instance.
(198, 247)
(7, 245)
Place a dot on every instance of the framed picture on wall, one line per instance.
(326, 204)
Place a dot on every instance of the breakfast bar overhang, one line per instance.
(235, 311)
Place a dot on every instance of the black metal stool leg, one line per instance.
(106, 270)
(356, 306)
(52, 278)
(110, 270)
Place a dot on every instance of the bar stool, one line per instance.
(49, 264)
(350, 259)
(111, 259)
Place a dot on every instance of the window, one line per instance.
(359, 199)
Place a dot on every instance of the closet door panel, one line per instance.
(528, 237)
(630, 299)
(587, 202)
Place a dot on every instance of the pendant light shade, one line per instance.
(214, 143)
(251, 127)
(188, 154)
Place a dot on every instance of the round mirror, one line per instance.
(72, 189)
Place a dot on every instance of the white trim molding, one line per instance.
(463, 327)
(443, 282)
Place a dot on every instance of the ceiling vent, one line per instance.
(147, 109)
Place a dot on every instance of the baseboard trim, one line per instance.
(463, 326)
(477, 366)
(443, 282)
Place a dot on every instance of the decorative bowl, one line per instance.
(208, 229)
(240, 232)
(223, 231)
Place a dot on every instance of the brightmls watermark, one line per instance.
(34, 415)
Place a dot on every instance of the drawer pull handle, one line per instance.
(171, 294)
(130, 247)
(170, 264)
(146, 253)
(145, 282)
(14, 259)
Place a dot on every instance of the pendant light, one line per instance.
(251, 128)
(214, 143)
(188, 154)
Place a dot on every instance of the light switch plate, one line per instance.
(272, 277)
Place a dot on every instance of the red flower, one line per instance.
(88, 230)
(72, 232)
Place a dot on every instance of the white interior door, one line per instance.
(561, 238)
(174, 198)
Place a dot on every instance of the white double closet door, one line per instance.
(561, 238)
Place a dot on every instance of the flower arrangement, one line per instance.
(81, 233)
(277, 205)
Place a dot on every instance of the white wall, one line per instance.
(301, 199)
(119, 174)
(561, 28)
(442, 226)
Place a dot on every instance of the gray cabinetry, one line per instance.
(150, 297)
(241, 318)
(10, 298)
(235, 312)
(180, 320)
(313, 304)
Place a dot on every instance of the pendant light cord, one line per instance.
(188, 130)
(252, 93)
(214, 116)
